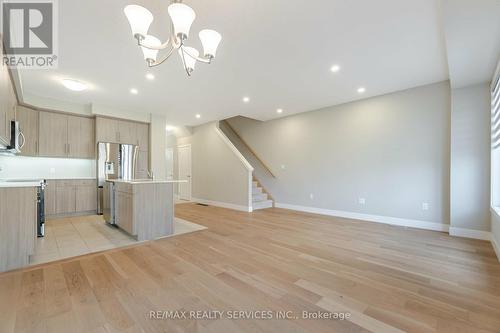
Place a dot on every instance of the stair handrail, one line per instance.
(268, 169)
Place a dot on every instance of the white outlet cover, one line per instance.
(362, 201)
(52, 170)
(425, 206)
(311, 196)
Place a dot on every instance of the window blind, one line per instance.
(495, 112)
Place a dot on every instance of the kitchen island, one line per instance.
(18, 222)
(142, 208)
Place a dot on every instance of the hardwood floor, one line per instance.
(389, 279)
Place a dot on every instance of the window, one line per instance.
(495, 141)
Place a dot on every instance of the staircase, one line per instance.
(260, 199)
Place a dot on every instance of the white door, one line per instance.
(184, 158)
(170, 163)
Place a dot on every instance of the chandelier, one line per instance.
(182, 16)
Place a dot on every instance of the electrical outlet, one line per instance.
(362, 201)
(311, 196)
(52, 170)
(425, 206)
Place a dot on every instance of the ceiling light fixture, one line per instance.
(246, 99)
(74, 85)
(279, 111)
(150, 76)
(134, 91)
(335, 68)
(361, 90)
(169, 128)
(181, 16)
(198, 116)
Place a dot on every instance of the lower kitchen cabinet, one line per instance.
(86, 198)
(65, 198)
(68, 197)
(17, 226)
(124, 211)
(50, 197)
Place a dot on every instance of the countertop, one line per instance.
(20, 183)
(145, 181)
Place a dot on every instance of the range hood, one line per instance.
(15, 146)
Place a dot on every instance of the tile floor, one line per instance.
(74, 236)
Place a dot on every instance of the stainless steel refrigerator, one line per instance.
(115, 161)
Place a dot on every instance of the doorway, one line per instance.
(184, 160)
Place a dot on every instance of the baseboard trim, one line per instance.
(65, 215)
(470, 233)
(370, 218)
(222, 204)
(496, 246)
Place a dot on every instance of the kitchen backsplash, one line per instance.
(20, 167)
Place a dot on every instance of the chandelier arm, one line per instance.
(184, 61)
(162, 60)
(200, 59)
(157, 48)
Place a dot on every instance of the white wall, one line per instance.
(391, 150)
(19, 167)
(218, 174)
(470, 158)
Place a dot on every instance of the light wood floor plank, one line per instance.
(388, 278)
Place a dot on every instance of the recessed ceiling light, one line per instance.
(169, 128)
(134, 91)
(279, 111)
(198, 116)
(335, 68)
(361, 90)
(74, 85)
(246, 99)
(150, 76)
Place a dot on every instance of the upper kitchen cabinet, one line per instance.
(66, 136)
(8, 103)
(28, 125)
(143, 137)
(53, 131)
(127, 132)
(122, 131)
(81, 137)
(107, 130)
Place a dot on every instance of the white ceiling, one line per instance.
(473, 40)
(276, 52)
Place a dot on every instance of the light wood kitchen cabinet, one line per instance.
(17, 226)
(53, 131)
(107, 130)
(86, 198)
(122, 131)
(124, 211)
(70, 197)
(66, 136)
(28, 125)
(81, 137)
(143, 137)
(50, 197)
(65, 198)
(8, 102)
(127, 132)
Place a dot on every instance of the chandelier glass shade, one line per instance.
(182, 17)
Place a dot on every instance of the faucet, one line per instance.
(151, 175)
